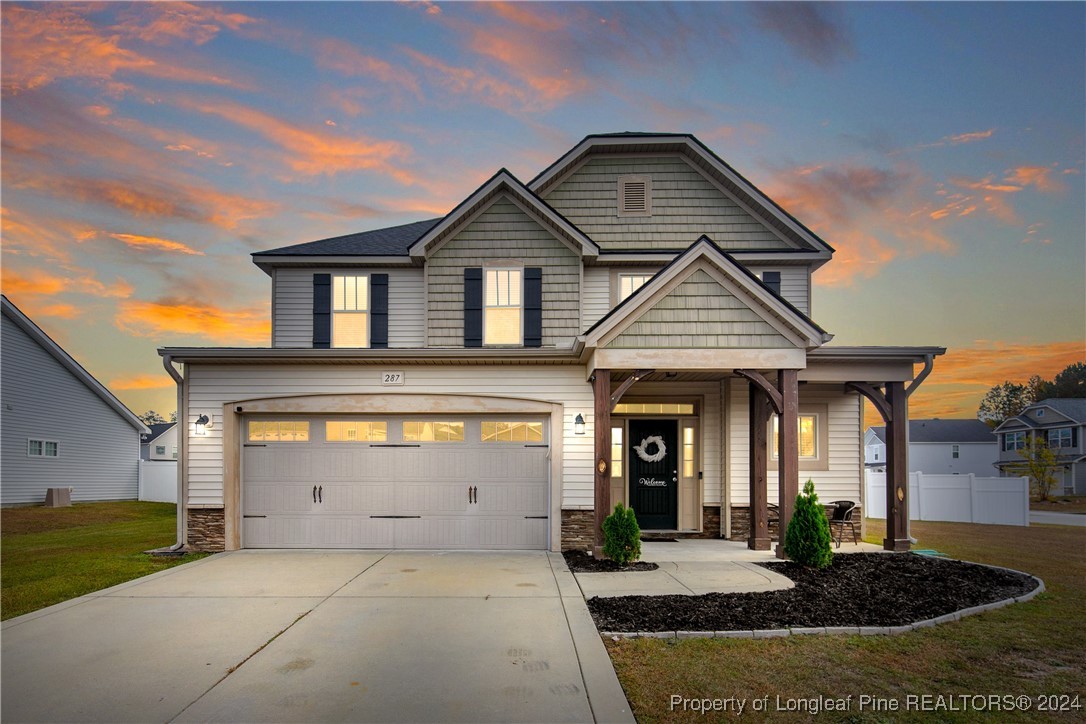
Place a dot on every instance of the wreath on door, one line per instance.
(661, 449)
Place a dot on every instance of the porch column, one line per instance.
(601, 392)
(897, 469)
(788, 451)
(758, 536)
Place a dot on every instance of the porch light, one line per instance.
(578, 424)
(202, 423)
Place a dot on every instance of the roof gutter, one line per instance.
(929, 364)
(182, 416)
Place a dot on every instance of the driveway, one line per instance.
(319, 636)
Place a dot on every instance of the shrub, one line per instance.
(807, 540)
(622, 536)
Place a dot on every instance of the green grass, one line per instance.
(50, 555)
(1028, 648)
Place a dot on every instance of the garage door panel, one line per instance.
(432, 498)
(512, 533)
(352, 532)
(433, 532)
(525, 499)
(511, 463)
(278, 497)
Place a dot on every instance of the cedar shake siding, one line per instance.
(503, 232)
(685, 205)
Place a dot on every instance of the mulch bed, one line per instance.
(581, 562)
(858, 589)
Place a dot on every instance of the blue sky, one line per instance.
(148, 149)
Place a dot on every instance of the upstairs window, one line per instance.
(1014, 441)
(503, 302)
(955, 451)
(1063, 437)
(634, 195)
(350, 311)
(160, 449)
(630, 283)
(772, 279)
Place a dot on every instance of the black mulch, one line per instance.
(858, 589)
(581, 562)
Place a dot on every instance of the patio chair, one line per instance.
(842, 516)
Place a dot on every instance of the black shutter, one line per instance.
(379, 311)
(322, 311)
(773, 281)
(473, 307)
(533, 307)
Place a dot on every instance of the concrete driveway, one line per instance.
(319, 636)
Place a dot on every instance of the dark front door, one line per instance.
(654, 486)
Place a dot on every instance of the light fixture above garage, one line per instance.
(578, 424)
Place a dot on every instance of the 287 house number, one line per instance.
(392, 378)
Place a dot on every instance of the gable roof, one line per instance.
(391, 241)
(879, 433)
(35, 332)
(1072, 407)
(157, 430)
(942, 431)
(503, 182)
(704, 248)
(703, 158)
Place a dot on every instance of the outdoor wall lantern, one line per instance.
(578, 424)
(203, 422)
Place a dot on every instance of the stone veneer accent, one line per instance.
(578, 534)
(741, 524)
(206, 529)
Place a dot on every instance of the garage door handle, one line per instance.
(314, 493)
(320, 494)
(396, 516)
(535, 517)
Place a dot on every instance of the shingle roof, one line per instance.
(391, 241)
(1075, 408)
(950, 431)
(156, 430)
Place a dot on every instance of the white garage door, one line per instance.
(405, 482)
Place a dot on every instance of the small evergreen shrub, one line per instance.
(807, 540)
(622, 536)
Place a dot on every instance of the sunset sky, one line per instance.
(148, 149)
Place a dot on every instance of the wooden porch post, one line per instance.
(601, 391)
(788, 451)
(897, 472)
(758, 536)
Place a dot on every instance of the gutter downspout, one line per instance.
(929, 364)
(182, 448)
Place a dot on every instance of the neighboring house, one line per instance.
(160, 443)
(939, 447)
(1061, 422)
(59, 427)
(501, 376)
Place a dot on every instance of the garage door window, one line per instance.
(502, 431)
(355, 431)
(279, 431)
(433, 431)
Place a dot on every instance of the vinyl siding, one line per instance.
(795, 284)
(99, 449)
(700, 314)
(840, 482)
(503, 231)
(596, 299)
(685, 205)
(293, 294)
(211, 386)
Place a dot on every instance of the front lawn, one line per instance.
(1028, 648)
(49, 555)
(1061, 504)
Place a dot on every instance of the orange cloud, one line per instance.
(343, 57)
(1039, 177)
(481, 86)
(960, 139)
(142, 382)
(135, 241)
(169, 318)
(36, 283)
(165, 22)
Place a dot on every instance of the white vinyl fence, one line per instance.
(158, 481)
(955, 498)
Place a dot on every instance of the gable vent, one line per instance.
(634, 195)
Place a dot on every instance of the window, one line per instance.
(432, 431)
(42, 449)
(1040, 413)
(630, 283)
(634, 195)
(688, 452)
(160, 449)
(653, 408)
(350, 311)
(174, 452)
(1063, 437)
(278, 431)
(355, 431)
(808, 437)
(876, 456)
(616, 452)
(502, 296)
(954, 450)
(499, 431)
(772, 279)
(1014, 441)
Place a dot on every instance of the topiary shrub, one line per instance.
(807, 540)
(622, 536)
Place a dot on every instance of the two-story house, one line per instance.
(160, 443)
(634, 324)
(1061, 422)
(939, 447)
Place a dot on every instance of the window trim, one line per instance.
(368, 311)
(821, 461)
(504, 267)
(626, 275)
(955, 452)
(1019, 442)
(160, 449)
(43, 442)
(1070, 437)
(620, 201)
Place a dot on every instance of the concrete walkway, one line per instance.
(319, 636)
(1051, 517)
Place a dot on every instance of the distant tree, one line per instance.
(173, 416)
(1038, 464)
(152, 418)
(1007, 400)
(1071, 382)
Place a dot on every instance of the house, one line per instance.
(160, 443)
(939, 447)
(632, 325)
(59, 427)
(1061, 422)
